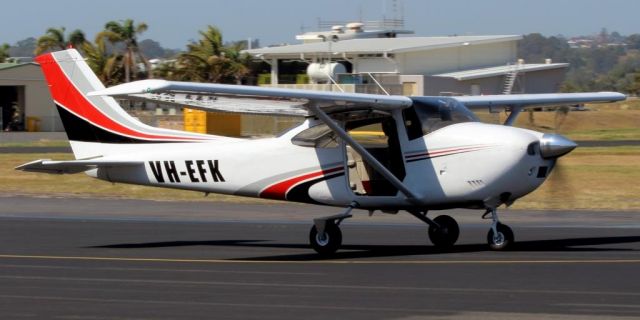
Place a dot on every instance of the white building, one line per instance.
(459, 65)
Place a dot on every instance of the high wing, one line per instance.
(72, 166)
(515, 103)
(295, 102)
(251, 99)
(538, 100)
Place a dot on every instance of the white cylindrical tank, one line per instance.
(320, 72)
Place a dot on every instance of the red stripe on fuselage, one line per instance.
(63, 91)
(444, 151)
(279, 190)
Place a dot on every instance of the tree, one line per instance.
(152, 49)
(126, 32)
(208, 60)
(23, 48)
(535, 48)
(54, 39)
(633, 41)
(108, 67)
(4, 52)
(634, 87)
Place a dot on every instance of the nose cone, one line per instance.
(555, 145)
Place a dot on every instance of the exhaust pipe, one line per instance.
(555, 145)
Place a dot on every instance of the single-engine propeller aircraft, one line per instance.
(435, 154)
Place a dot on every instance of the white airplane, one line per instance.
(435, 155)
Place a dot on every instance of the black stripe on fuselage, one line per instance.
(79, 129)
(300, 193)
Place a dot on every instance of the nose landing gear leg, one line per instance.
(500, 236)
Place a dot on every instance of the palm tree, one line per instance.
(126, 32)
(55, 39)
(4, 52)
(208, 60)
(108, 67)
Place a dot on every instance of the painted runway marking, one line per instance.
(316, 286)
(599, 305)
(26, 266)
(222, 261)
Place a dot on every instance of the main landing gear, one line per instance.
(325, 236)
(443, 230)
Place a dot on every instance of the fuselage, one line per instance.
(461, 165)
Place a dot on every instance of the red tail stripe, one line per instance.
(64, 92)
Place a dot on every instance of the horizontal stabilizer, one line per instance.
(72, 166)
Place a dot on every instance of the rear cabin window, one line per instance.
(319, 136)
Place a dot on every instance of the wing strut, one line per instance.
(364, 153)
(515, 111)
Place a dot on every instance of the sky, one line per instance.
(174, 23)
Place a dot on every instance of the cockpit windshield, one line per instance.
(430, 114)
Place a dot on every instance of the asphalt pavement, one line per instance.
(66, 258)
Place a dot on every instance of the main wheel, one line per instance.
(327, 243)
(502, 240)
(447, 234)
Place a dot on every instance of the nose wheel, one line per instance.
(500, 236)
(501, 239)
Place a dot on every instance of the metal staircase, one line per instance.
(510, 80)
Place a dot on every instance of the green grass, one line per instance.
(81, 185)
(606, 151)
(40, 143)
(591, 178)
(605, 134)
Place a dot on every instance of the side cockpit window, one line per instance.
(426, 117)
(412, 123)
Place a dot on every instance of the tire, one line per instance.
(447, 234)
(330, 244)
(504, 240)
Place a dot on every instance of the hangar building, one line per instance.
(381, 62)
(25, 101)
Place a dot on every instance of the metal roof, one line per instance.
(380, 45)
(500, 70)
(14, 65)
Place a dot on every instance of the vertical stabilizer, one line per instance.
(97, 120)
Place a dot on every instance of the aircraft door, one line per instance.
(380, 137)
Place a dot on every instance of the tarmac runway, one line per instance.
(130, 259)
